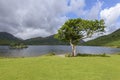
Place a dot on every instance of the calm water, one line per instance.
(40, 50)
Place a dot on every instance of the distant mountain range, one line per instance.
(50, 40)
(112, 39)
(7, 38)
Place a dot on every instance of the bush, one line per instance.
(50, 54)
(103, 55)
(91, 55)
(67, 55)
(118, 53)
(118, 46)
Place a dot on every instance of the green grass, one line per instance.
(59, 68)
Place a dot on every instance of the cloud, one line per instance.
(32, 18)
(28, 32)
(77, 6)
(93, 13)
(111, 16)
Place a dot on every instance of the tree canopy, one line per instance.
(74, 30)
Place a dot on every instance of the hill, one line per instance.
(7, 38)
(112, 39)
(50, 40)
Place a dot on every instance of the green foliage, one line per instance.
(87, 55)
(50, 54)
(69, 31)
(118, 53)
(68, 55)
(92, 55)
(74, 30)
(17, 46)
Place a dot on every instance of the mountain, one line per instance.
(6, 38)
(112, 39)
(50, 40)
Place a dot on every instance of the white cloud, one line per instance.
(32, 18)
(111, 16)
(93, 13)
(27, 33)
(77, 6)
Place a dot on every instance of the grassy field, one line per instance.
(60, 68)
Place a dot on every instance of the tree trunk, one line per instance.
(73, 49)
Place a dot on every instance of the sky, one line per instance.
(34, 18)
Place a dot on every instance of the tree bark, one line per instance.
(73, 49)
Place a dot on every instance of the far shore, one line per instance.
(66, 45)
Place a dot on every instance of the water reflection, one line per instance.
(40, 50)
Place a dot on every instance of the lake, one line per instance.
(58, 49)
